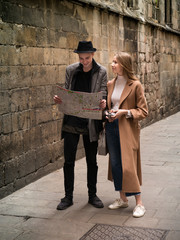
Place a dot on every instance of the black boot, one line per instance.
(65, 203)
(96, 202)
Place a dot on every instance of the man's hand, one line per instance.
(57, 99)
(102, 104)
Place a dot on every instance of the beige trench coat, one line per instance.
(132, 99)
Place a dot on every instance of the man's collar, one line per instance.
(95, 66)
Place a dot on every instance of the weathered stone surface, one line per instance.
(6, 190)
(20, 99)
(5, 147)
(4, 102)
(16, 145)
(32, 138)
(11, 171)
(11, 12)
(8, 35)
(7, 123)
(26, 163)
(1, 174)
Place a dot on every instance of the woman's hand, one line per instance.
(120, 113)
(102, 104)
(115, 114)
(110, 115)
(57, 99)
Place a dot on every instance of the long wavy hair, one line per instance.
(125, 60)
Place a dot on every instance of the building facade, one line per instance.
(37, 39)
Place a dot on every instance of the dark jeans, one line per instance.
(70, 148)
(113, 142)
(114, 146)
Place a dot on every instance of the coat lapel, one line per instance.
(93, 83)
(110, 91)
(126, 92)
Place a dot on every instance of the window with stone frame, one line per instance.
(130, 3)
(133, 4)
(168, 12)
(155, 10)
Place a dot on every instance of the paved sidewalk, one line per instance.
(30, 213)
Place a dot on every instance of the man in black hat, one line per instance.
(84, 76)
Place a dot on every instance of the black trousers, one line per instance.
(70, 148)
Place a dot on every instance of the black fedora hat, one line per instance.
(85, 47)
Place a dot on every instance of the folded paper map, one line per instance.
(80, 104)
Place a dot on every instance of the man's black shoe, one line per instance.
(65, 203)
(96, 202)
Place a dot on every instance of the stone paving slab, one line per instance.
(30, 213)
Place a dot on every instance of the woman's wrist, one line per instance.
(129, 114)
(123, 111)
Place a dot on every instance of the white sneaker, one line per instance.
(119, 203)
(139, 211)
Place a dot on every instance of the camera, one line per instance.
(109, 114)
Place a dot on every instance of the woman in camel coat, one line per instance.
(127, 105)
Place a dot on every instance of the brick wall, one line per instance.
(37, 40)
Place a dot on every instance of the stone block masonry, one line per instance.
(37, 39)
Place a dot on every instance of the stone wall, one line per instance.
(37, 40)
